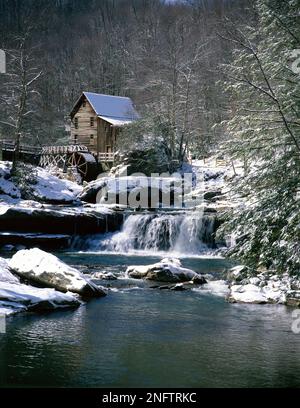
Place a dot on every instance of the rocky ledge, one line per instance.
(49, 219)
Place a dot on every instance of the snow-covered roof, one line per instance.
(116, 122)
(117, 110)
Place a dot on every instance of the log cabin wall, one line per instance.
(106, 142)
(84, 127)
(91, 131)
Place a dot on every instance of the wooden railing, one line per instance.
(64, 149)
(219, 162)
(9, 146)
(106, 157)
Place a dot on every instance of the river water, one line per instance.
(143, 337)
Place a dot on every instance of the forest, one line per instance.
(150, 162)
(166, 56)
(206, 76)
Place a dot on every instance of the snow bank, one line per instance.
(44, 187)
(212, 176)
(167, 270)
(46, 269)
(50, 188)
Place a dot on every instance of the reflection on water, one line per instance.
(152, 338)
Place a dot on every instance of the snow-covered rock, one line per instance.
(264, 287)
(167, 270)
(17, 297)
(251, 293)
(247, 294)
(255, 281)
(46, 269)
(104, 276)
(109, 190)
(5, 274)
(238, 273)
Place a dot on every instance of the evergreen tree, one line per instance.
(264, 132)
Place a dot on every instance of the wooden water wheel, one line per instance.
(85, 164)
(77, 158)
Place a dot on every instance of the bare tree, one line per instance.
(19, 90)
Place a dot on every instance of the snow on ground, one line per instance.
(211, 177)
(127, 183)
(45, 188)
(51, 188)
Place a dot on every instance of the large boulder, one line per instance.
(17, 297)
(167, 270)
(133, 191)
(47, 270)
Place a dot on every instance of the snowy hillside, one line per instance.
(42, 187)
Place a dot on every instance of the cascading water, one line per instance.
(184, 233)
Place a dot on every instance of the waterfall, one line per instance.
(184, 233)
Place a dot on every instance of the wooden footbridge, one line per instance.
(74, 157)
